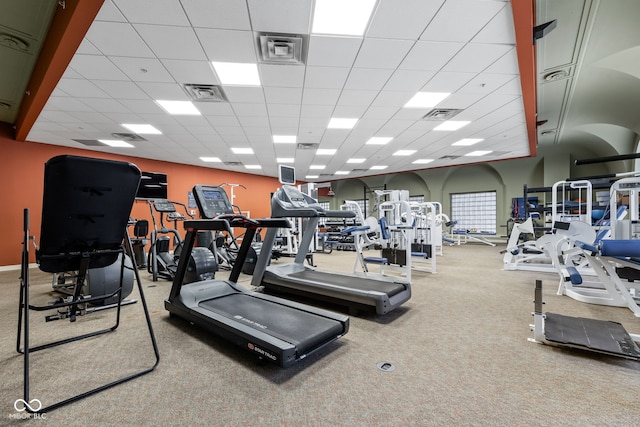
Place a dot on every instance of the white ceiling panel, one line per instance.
(350, 97)
(102, 105)
(382, 53)
(506, 64)
(244, 94)
(320, 96)
(250, 109)
(164, 91)
(121, 90)
(333, 51)
(326, 77)
(162, 12)
(227, 45)
(280, 16)
(406, 22)
(368, 78)
(142, 69)
(171, 42)
(475, 57)
(428, 55)
(408, 80)
(283, 95)
(96, 67)
(81, 88)
(222, 14)
(115, 38)
(200, 72)
(461, 20)
(500, 28)
(282, 75)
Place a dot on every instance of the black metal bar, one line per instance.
(580, 162)
(183, 261)
(242, 253)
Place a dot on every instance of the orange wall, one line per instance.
(22, 165)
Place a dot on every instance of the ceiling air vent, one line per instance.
(89, 142)
(359, 170)
(128, 137)
(307, 146)
(281, 48)
(232, 163)
(441, 114)
(448, 157)
(204, 93)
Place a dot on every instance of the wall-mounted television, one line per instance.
(153, 185)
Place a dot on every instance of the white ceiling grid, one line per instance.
(138, 51)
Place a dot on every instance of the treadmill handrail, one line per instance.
(290, 202)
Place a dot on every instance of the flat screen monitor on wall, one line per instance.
(153, 185)
(287, 175)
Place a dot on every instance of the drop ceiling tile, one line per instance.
(200, 72)
(223, 121)
(284, 125)
(280, 75)
(115, 38)
(392, 99)
(164, 91)
(280, 16)
(367, 78)
(320, 96)
(283, 95)
(475, 57)
(408, 80)
(382, 53)
(283, 110)
(380, 113)
(96, 67)
(250, 109)
(460, 20)
(350, 97)
(87, 48)
(171, 42)
(222, 14)
(109, 12)
(244, 94)
(92, 117)
(254, 121)
(227, 45)
(448, 81)
(429, 55)
(461, 100)
(485, 83)
(142, 69)
(500, 28)
(506, 64)
(333, 51)
(317, 111)
(309, 123)
(162, 12)
(120, 90)
(65, 103)
(81, 88)
(212, 109)
(512, 87)
(406, 22)
(353, 111)
(326, 77)
(142, 106)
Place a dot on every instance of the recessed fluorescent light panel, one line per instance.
(317, 167)
(179, 108)
(115, 143)
(211, 159)
(326, 151)
(426, 99)
(468, 141)
(237, 74)
(342, 173)
(142, 129)
(378, 167)
(311, 176)
(451, 125)
(284, 139)
(253, 166)
(478, 153)
(422, 161)
(237, 150)
(356, 160)
(284, 160)
(338, 123)
(379, 140)
(347, 18)
(404, 152)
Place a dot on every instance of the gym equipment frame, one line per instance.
(85, 210)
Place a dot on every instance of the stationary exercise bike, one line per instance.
(161, 262)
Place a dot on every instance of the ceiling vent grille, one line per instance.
(441, 114)
(232, 163)
(281, 48)
(307, 146)
(128, 137)
(448, 157)
(359, 170)
(89, 142)
(204, 93)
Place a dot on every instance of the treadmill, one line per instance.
(271, 328)
(358, 293)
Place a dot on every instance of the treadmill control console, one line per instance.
(163, 205)
(212, 201)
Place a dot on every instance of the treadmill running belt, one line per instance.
(353, 282)
(598, 335)
(297, 327)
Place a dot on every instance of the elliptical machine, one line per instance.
(162, 263)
